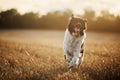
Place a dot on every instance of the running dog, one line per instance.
(73, 44)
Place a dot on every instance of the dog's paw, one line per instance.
(69, 66)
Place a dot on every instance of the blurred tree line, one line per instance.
(12, 19)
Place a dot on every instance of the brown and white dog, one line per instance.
(74, 41)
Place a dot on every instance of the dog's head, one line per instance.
(77, 26)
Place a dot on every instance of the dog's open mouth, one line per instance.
(76, 34)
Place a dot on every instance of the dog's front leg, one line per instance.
(79, 60)
(74, 60)
(67, 56)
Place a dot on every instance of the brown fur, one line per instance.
(77, 22)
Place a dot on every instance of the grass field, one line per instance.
(38, 55)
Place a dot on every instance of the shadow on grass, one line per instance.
(93, 74)
(111, 73)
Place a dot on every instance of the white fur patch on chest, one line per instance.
(72, 43)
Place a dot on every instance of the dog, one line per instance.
(73, 44)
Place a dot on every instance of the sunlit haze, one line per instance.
(77, 6)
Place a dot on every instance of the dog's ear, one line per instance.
(70, 25)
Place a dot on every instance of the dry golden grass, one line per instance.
(38, 55)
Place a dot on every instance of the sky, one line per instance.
(77, 6)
